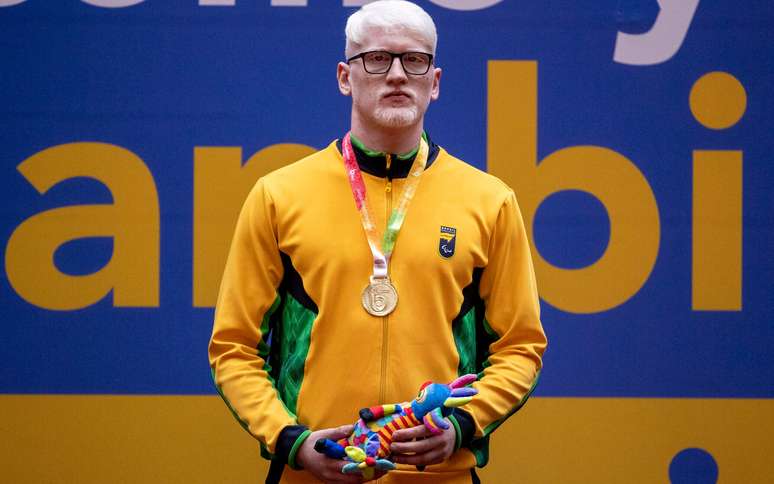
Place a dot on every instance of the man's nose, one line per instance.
(396, 71)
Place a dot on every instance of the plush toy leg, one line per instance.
(385, 465)
(330, 448)
(372, 445)
(379, 411)
(434, 422)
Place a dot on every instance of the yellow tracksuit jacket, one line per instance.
(293, 349)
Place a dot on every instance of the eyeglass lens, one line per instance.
(380, 62)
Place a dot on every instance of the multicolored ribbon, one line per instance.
(382, 252)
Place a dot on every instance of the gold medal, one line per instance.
(380, 297)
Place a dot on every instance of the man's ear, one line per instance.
(342, 75)
(436, 92)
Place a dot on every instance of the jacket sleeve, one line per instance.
(238, 349)
(511, 322)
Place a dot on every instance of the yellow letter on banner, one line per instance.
(132, 221)
(718, 101)
(221, 185)
(717, 231)
(604, 173)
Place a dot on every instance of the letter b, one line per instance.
(609, 176)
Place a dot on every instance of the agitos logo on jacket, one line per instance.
(447, 241)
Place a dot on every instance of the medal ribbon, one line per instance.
(382, 252)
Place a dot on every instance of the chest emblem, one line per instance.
(447, 241)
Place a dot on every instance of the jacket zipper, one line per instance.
(386, 319)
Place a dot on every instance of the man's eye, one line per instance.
(378, 57)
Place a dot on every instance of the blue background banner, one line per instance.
(163, 78)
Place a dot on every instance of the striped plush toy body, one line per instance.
(369, 444)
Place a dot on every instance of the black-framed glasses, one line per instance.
(380, 61)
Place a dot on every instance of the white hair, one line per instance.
(390, 16)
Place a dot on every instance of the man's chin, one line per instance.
(397, 117)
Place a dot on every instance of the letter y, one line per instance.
(663, 40)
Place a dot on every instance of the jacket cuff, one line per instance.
(290, 440)
(463, 424)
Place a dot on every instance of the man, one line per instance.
(320, 313)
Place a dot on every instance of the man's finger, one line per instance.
(404, 435)
(333, 474)
(342, 478)
(433, 457)
(345, 478)
(345, 429)
(338, 432)
(377, 475)
(418, 446)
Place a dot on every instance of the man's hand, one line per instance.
(321, 466)
(427, 449)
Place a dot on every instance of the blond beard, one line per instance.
(397, 117)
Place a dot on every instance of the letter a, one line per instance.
(132, 221)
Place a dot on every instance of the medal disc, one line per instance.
(380, 297)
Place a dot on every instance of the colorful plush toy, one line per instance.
(368, 447)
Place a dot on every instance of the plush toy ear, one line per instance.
(456, 401)
(464, 380)
(464, 392)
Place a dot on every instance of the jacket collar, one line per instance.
(376, 163)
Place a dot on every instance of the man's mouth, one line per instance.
(397, 94)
